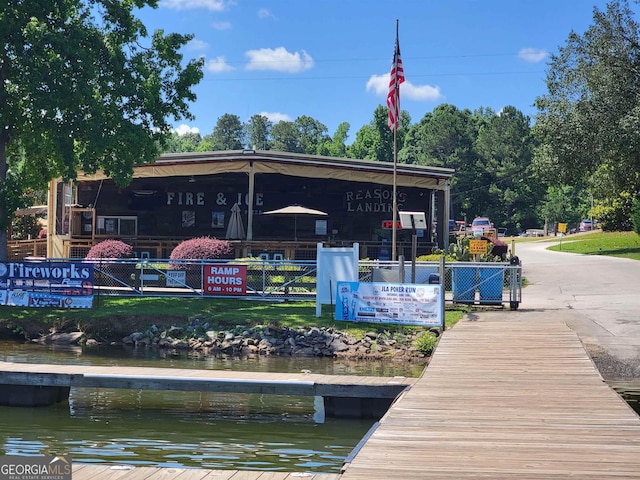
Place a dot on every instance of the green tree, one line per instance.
(375, 141)
(505, 146)
(336, 147)
(445, 138)
(82, 86)
(589, 120)
(563, 204)
(285, 137)
(311, 134)
(180, 143)
(228, 134)
(258, 131)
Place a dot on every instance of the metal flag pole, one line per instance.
(396, 102)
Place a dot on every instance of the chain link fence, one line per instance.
(267, 279)
(464, 282)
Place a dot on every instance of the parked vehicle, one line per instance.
(479, 225)
(585, 226)
(481, 222)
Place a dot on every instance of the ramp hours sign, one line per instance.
(225, 279)
(407, 304)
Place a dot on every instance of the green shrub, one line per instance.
(426, 343)
(615, 214)
(435, 257)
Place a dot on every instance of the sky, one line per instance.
(330, 59)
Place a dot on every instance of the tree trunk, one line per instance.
(4, 140)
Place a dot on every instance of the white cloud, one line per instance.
(279, 59)
(197, 45)
(379, 84)
(532, 55)
(265, 13)
(213, 5)
(184, 129)
(218, 65)
(276, 117)
(221, 25)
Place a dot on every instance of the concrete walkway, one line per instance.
(597, 296)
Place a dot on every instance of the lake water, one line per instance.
(192, 429)
(186, 429)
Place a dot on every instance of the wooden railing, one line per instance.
(148, 247)
(21, 249)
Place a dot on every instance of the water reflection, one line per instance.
(185, 429)
(630, 392)
(179, 429)
(150, 357)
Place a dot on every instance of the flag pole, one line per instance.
(395, 201)
(396, 102)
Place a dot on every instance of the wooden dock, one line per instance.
(23, 384)
(511, 398)
(505, 399)
(226, 381)
(106, 472)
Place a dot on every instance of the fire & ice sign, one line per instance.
(46, 284)
(406, 304)
(225, 279)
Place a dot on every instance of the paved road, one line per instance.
(597, 296)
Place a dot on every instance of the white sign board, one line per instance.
(176, 278)
(399, 303)
(334, 265)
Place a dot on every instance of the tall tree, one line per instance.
(258, 132)
(228, 133)
(82, 86)
(445, 138)
(336, 147)
(505, 146)
(180, 143)
(375, 141)
(285, 137)
(311, 134)
(589, 121)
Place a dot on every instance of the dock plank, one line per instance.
(501, 399)
(505, 400)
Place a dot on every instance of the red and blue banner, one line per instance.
(46, 284)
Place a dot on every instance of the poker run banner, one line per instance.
(406, 304)
(46, 284)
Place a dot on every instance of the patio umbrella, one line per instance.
(295, 210)
(235, 229)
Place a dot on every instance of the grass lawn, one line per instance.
(222, 312)
(614, 244)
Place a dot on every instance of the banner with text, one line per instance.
(46, 284)
(407, 304)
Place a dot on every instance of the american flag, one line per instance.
(396, 77)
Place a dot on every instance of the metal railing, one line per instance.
(482, 283)
(161, 277)
(464, 282)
